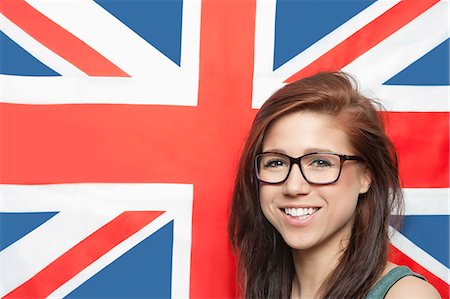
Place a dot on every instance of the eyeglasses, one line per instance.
(316, 168)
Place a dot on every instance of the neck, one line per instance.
(311, 271)
(313, 266)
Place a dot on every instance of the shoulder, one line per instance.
(412, 287)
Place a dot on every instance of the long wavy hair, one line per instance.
(265, 262)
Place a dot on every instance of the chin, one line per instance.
(298, 244)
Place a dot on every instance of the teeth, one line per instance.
(300, 211)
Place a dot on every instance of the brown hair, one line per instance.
(265, 264)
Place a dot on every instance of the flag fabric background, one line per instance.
(122, 123)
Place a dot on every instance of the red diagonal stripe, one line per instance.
(400, 258)
(58, 39)
(83, 254)
(366, 38)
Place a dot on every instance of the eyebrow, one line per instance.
(306, 151)
(320, 150)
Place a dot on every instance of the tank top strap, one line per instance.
(380, 289)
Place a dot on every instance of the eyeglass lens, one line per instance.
(318, 168)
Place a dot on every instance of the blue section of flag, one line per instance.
(431, 233)
(145, 271)
(14, 226)
(299, 24)
(14, 60)
(158, 22)
(430, 69)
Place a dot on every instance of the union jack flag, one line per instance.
(122, 122)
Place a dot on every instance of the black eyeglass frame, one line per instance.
(297, 161)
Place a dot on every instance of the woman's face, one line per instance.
(332, 206)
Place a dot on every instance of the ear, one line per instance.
(366, 180)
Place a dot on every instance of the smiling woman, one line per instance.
(316, 184)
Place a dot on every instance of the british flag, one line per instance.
(122, 122)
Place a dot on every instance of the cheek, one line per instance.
(343, 197)
(263, 196)
(266, 196)
(340, 207)
(351, 181)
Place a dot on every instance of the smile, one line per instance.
(300, 212)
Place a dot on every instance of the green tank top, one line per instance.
(380, 289)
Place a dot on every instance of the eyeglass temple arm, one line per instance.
(349, 157)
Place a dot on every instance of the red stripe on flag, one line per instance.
(224, 115)
(422, 143)
(398, 257)
(58, 39)
(365, 38)
(83, 254)
(111, 143)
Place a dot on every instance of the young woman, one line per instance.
(316, 184)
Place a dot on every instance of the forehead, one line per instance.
(301, 132)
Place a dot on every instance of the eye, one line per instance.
(321, 163)
(275, 163)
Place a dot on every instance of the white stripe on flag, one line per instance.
(427, 201)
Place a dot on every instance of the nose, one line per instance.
(296, 184)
